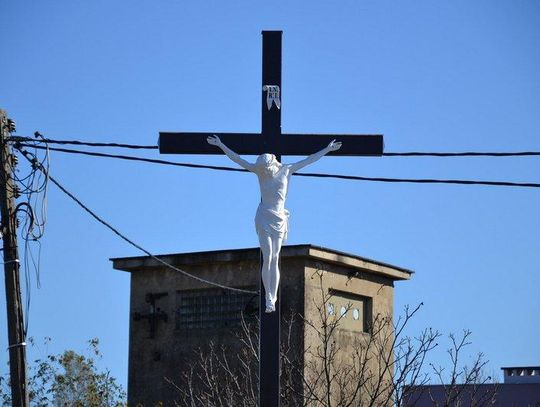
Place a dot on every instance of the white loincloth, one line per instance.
(272, 222)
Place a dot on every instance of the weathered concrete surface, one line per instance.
(151, 360)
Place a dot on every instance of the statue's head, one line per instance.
(266, 160)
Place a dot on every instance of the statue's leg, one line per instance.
(265, 242)
(274, 266)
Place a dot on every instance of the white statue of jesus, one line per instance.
(272, 219)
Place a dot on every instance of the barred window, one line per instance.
(355, 310)
(213, 308)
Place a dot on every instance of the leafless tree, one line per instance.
(379, 367)
(464, 384)
(220, 377)
(375, 369)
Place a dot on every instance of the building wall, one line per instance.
(363, 283)
(496, 395)
(170, 351)
(165, 356)
(350, 291)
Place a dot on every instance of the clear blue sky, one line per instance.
(430, 76)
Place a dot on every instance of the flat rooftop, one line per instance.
(320, 253)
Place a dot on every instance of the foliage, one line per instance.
(69, 379)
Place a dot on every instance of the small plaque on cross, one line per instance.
(272, 96)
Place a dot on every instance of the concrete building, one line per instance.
(172, 315)
(521, 388)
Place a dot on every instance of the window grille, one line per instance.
(213, 308)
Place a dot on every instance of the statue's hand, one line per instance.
(334, 145)
(214, 140)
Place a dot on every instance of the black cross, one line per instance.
(155, 315)
(270, 140)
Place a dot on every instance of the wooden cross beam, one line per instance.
(270, 140)
(278, 144)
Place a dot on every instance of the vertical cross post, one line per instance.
(269, 334)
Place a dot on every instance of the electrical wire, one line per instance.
(423, 180)
(464, 154)
(34, 187)
(41, 139)
(301, 174)
(133, 158)
(31, 211)
(385, 154)
(122, 236)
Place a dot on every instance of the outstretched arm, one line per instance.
(333, 146)
(215, 141)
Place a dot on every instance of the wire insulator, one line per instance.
(16, 191)
(11, 125)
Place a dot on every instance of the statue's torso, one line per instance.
(274, 188)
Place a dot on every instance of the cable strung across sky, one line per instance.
(80, 143)
(388, 154)
(464, 154)
(40, 167)
(314, 175)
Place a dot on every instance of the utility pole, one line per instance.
(16, 334)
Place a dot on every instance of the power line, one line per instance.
(81, 143)
(423, 180)
(302, 174)
(132, 158)
(464, 154)
(386, 154)
(119, 234)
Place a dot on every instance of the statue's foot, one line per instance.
(270, 303)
